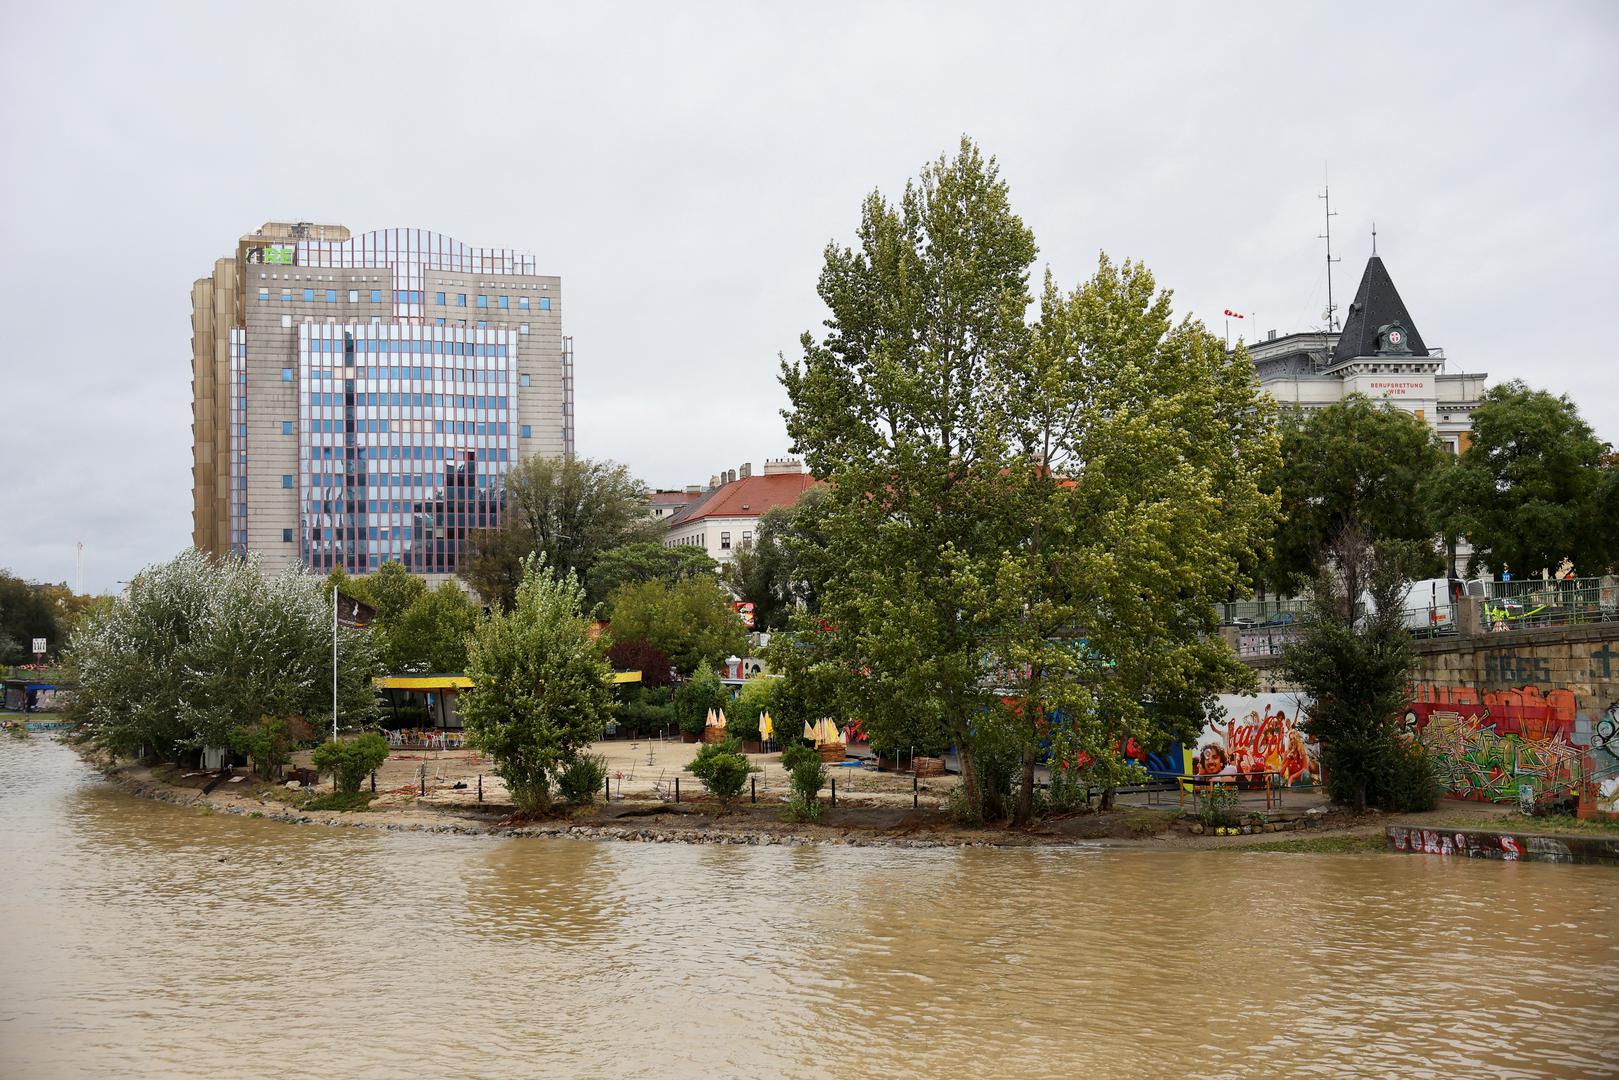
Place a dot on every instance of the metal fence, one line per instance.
(1520, 605)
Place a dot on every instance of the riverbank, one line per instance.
(866, 823)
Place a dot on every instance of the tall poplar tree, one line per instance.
(895, 408)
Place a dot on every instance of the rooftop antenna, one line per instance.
(1374, 239)
(1332, 309)
(78, 570)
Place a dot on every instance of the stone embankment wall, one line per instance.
(1536, 708)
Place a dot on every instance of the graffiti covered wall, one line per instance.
(1489, 745)
(1540, 711)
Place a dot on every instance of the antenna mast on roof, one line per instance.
(1332, 309)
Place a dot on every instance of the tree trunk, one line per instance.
(1107, 800)
(1025, 799)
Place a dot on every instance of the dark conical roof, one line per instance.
(1377, 304)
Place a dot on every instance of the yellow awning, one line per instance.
(422, 682)
(626, 676)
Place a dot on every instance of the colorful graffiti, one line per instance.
(1605, 761)
(1490, 748)
(1259, 734)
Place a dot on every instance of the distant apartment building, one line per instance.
(724, 518)
(1380, 354)
(356, 399)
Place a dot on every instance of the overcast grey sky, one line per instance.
(681, 166)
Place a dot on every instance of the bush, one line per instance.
(347, 763)
(702, 692)
(722, 769)
(268, 743)
(582, 778)
(1414, 783)
(808, 777)
(1218, 806)
(796, 754)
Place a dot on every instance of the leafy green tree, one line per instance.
(1138, 448)
(698, 694)
(542, 689)
(431, 634)
(26, 613)
(895, 408)
(1357, 666)
(742, 716)
(1534, 487)
(570, 510)
(200, 647)
(391, 590)
(692, 621)
(780, 573)
(269, 742)
(647, 560)
(349, 761)
(1361, 465)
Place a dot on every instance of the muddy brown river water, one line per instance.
(141, 939)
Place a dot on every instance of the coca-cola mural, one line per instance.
(1257, 735)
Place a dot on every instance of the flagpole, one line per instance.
(334, 663)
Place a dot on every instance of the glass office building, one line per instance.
(358, 399)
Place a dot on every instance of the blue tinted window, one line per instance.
(527, 431)
(286, 480)
(286, 294)
(376, 296)
(309, 294)
(460, 299)
(438, 298)
(522, 302)
(286, 536)
(545, 303)
(286, 427)
(331, 296)
(286, 374)
(483, 301)
(522, 380)
(505, 302)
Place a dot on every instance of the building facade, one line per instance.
(356, 399)
(724, 518)
(1379, 354)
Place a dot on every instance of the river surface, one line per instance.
(142, 939)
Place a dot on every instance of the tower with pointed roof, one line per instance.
(1380, 354)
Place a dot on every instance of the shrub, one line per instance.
(1414, 783)
(702, 692)
(582, 777)
(268, 742)
(1218, 805)
(808, 777)
(348, 762)
(796, 754)
(1069, 791)
(722, 769)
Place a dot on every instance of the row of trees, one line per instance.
(31, 609)
(1534, 487)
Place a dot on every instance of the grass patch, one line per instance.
(1320, 845)
(340, 800)
(1547, 823)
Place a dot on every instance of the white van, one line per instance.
(1430, 604)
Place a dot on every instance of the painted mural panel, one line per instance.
(1255, 734)
(1490, 745)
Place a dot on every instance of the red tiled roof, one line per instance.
(675, 498)
(748, 497)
